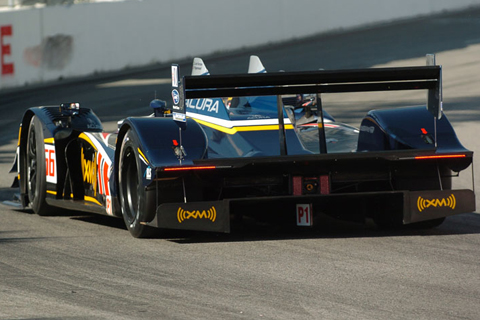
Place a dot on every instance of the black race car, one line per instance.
(258, 145)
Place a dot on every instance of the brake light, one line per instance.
(189, 168)
(445, 156)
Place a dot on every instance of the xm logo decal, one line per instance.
(210, 214)
(449, 202)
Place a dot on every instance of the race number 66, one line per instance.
(304, 215)
(50, 166)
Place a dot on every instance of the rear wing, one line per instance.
(325, 81)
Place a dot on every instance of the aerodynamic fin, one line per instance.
(205, 109)
(256, 65)
(199, 68)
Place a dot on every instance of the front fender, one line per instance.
(53, 121)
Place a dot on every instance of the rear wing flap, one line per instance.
(325, 81)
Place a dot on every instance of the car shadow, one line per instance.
(251, 231)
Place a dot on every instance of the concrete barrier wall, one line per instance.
(45, 44)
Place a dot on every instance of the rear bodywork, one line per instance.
(399, 173)
(244, 145)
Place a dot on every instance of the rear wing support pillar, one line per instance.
(434, 97)
(322, 138)
(281, 127)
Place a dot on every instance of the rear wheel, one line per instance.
(131, 190)
(33, 169)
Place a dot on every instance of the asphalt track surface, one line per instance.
(77, 266)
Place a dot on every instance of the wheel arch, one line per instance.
(156, 140)
(406, 128)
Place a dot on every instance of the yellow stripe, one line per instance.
(86, 138)
(49, 140)
(242, 128)
(91, 199)
(19, 135)
(217, 127)
(52, 192)
(142, 155)
(262, 128)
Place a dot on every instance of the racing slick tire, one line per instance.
(131, 191)
(34, 170)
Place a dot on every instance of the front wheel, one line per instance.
(131, 190)
(33, 170)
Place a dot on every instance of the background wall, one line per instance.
(42, 44)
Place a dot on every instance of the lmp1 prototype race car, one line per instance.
(258, 144)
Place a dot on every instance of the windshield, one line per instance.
(251, 108)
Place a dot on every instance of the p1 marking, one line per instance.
(304, 215)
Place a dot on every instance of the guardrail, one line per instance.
(47, 43)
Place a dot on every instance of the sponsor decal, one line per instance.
(209, 105)
(148, 173)
(89, 169)
(210, 214)
(6, 50)
(174, 76)
(103, 175)
(92, 125)
(175, 97)
(108, 205)
(95, 170)
(197, 66)
(179, 117)
(423, 204)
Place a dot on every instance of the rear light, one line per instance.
(445, 156)
(189, 168)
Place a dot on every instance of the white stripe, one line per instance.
(235, 123)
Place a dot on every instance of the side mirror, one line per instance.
(159, 108)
